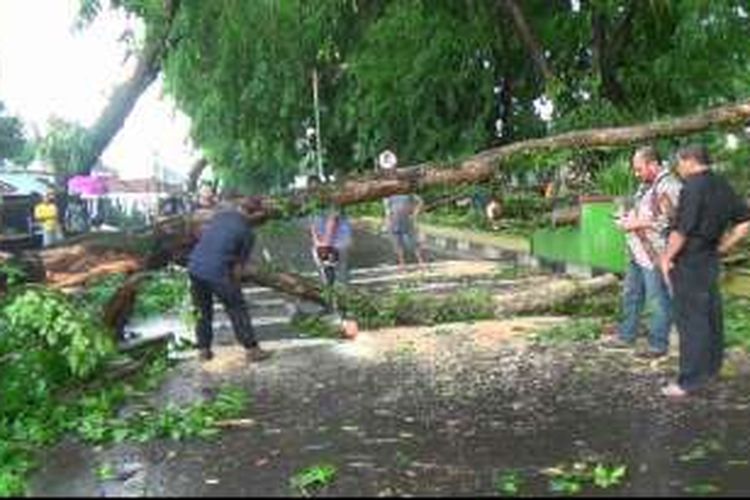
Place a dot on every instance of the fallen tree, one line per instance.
(94, 255)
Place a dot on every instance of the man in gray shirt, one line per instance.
(400, 220)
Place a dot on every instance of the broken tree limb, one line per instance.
(170, 239)
(482, 166)
(550, 293)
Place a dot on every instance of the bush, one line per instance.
(49, 341)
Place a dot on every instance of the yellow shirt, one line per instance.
(46, 214)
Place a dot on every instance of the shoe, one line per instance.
(256, 354)
(609, 331)
(674, 391)
(651, 354)
(618, 343)
(205, 354)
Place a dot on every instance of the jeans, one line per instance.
(50, 236)
(699, 318)
(646, 285)
(231, 297)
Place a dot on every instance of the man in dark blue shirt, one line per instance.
(215, 267)
(711, 219)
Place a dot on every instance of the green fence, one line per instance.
(595, 242)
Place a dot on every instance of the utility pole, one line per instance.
(318, 150)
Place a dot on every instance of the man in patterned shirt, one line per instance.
(646, 226)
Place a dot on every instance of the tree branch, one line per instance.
(529, 38)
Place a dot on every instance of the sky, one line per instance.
(49, 69)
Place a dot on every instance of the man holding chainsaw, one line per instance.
(646, 225)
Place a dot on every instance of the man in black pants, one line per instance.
(215, 266)
(710, 220)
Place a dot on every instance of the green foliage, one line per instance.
(572, 479)
(312, 479)
(369, 209)
(98, 293)
(616, 180)
(50, 342)
(163, 292)
(13, 272)
(737, 322)
(51, 347)
(430, 79)
(522, 213)
(13, 143)
(508, 483)
(315, 327)
(432, 96)
(97, 423)
(578, 330)
(604, 304)
(404, 307)
(64, 147)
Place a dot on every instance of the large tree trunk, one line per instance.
(125, 96)
(195, 173)
(96, 255)
(608, 44)
(481, 167)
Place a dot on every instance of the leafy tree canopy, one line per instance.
(435, 79)
(13, 143)
(63, 147)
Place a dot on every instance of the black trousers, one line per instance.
(230, 295)
(699, 318)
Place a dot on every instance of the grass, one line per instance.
(315, 326)
(737, 322)
(577, 330)
(313, 479)
(405, 307)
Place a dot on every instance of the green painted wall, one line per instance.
(595, 242)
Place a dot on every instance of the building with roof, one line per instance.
(20, 190)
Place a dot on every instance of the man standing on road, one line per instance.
(711, 220)
(646, 226)
(401, 213)
(215, 267)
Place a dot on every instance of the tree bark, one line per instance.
(195, 172)
(607, 51)
(550, 293)
(482, 166)
(125, 96)
(96, 255)
(529, 38)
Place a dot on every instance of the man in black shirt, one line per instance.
(711, 219)
(215, 267)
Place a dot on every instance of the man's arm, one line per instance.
(331, 221)
(675, 243)
(314, 234)
(730, 239)
(418, 205)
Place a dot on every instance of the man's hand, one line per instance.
(237, 271)
(666, 265)
(633, 223)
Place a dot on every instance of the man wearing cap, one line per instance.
(215, 267)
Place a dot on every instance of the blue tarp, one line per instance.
(24, 183)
